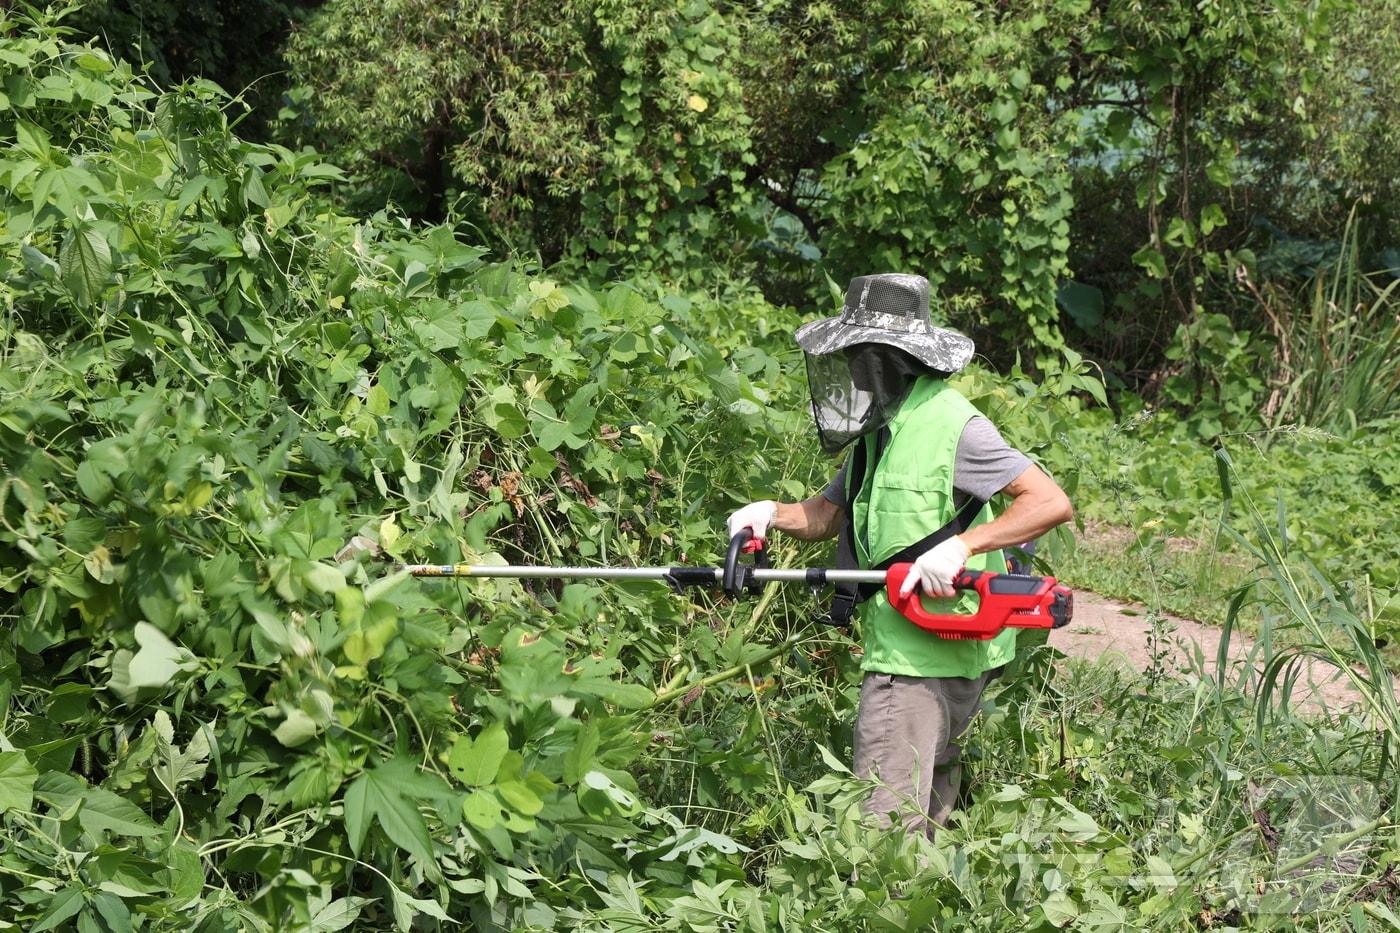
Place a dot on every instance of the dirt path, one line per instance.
(1119, 632)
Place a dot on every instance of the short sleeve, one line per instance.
(985, 463)
(835, 491)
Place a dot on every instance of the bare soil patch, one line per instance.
(1118, 632)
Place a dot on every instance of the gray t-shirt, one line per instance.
(985, 464)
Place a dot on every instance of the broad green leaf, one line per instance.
(1212, 217)
(296, 729)
(176, 766)
(33, 140)
(624, 799)
(483, 809)
(93, 61)
(158, 660)
(17, 778)
(62, 907)
(376, 796)
(1004, 111)
(99, 564)
(832, 762)
(1151, 260)
(183, 878)
(63, 187)
(476, 762)
(323, 578)
(337, 915)
(366, 645)
(406, 907)
(476, 319)
(104, 810)
(1083, 303)
(1060, 909)
(85, 264)
(520, 797)
(113, 911)
(578, 760)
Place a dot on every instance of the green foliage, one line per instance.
(999, 153)
(1338, 345)
(1335, 492)
(963, 173)
(210, 383)
(1219, 373)
(212, 718)
(236, 43)
(1352, 100)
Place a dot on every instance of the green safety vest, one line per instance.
(905, 498)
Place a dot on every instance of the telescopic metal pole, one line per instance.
(815, 575)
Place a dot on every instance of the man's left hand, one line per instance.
(936, 568)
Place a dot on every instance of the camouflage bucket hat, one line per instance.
(889, 308)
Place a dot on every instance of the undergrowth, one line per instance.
(210, 721)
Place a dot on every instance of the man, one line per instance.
(923, 463)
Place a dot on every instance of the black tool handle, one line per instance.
(737, 576)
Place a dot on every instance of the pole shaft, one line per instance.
(518, 571)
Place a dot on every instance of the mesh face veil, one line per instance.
(858, 390)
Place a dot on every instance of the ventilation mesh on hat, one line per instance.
(886, 297)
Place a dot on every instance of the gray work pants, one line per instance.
(904, 736)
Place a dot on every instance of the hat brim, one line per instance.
(944, 350)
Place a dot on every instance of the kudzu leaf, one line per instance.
(98, 563)
(551, 434)
(520, 797)
(84, 263)
(104, 810)
(296, 729)
(323, 578)
(1151, 260)
(17, 777)
(1084, 303)
(476, 319)
(183, 879)
(366, 645)
(623, 798)
(155, 664)
(483, 809)
(1212, 216)
(476, 762)
(1059, 908)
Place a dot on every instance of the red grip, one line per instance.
(1002, 600)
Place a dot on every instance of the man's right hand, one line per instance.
(756, 516)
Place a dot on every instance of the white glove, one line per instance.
(755, 515)
(935, 568)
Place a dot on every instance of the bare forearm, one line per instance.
(813, 519)
(1027, 517)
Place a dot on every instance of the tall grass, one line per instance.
(1338, 359)
(1310, 622)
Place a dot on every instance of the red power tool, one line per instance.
(1004, 599)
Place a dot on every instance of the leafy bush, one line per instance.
(211, 382)
(211, 721)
